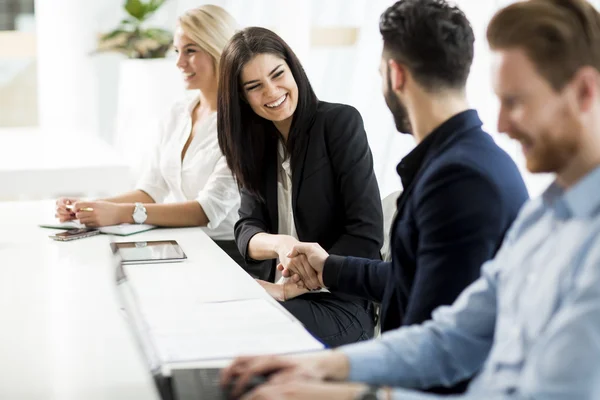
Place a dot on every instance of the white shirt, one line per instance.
(285, 214)
(203, 174)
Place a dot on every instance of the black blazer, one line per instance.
(335, 197)
(450, 220)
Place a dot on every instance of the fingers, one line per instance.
(300, 266)
(247, 367)
(64, 217)
(88, 218)
(83, 206)
(312, 279)
(62, 212)
(300, 248)
(263, 392)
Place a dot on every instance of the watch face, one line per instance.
(139, 214)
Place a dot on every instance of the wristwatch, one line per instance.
(139, 213)
(371, 393)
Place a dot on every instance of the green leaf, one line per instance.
(136, 9)
(153, 5)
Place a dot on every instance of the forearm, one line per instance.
(189, 213)
(357, 276)
(136, 196)
(265, 246)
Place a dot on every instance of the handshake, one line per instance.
(303, 264)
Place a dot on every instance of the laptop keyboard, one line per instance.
(198, 384)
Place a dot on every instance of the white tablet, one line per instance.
(151, 252)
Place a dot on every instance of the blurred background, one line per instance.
(74, 121)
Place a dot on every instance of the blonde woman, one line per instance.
(187, 164)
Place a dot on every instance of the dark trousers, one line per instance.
(332, 320)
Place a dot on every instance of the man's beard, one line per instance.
(397, 109)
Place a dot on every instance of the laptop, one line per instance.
(199, 377)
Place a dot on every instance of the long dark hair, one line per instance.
(243, 135)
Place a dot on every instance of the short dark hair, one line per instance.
(243, 135)
(432, 38)
(558, 36)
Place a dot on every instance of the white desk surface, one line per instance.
(62, 335)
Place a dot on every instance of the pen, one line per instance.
(70, 207)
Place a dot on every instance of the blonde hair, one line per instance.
(210, 27)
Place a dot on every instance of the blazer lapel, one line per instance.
(298, 169)
(271, 187)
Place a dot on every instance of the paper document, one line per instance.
(226, 330)
(189, 284)
(280, 339)
(120, 230)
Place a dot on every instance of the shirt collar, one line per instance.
(582, 200)
(412, 162)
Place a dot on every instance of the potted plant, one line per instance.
(132, 38)
(148, 82)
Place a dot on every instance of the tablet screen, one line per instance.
(149, 252)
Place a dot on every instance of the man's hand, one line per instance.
(300, 263)
(316, 256)
(298, 390)
(100, 213)
(319, 366)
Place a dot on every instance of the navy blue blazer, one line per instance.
(460, 200)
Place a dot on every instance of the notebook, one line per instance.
(119, 230)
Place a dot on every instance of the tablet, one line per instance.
(151, 252)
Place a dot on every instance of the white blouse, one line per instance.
(285, 213)
(203, 174)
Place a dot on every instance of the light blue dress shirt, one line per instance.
(530, 326)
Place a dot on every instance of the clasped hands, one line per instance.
(304, 264)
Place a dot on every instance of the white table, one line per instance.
(62, 336)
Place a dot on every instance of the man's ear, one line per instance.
(586, 83)
(397, 75)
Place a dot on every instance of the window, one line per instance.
(18, 67)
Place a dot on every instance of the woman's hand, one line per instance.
(63, 213)
(101, 213)
(298, 263)
(282, 291)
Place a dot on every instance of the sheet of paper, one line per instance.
(246, 316)
(279, 339)
(189, 284)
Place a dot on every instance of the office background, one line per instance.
(51, 83)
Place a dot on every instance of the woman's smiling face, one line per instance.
(269, 88)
